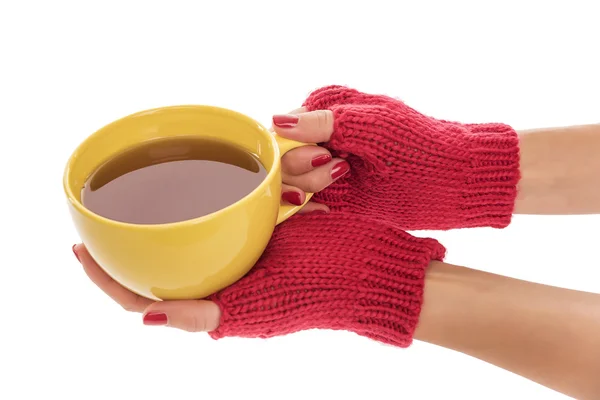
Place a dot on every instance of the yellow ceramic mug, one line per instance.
(194, 258)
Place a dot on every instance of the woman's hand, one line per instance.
(408, 168)
(319, 271)
(309, 168)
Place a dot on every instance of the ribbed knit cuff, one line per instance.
(492, 177)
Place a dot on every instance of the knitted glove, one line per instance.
(416, 171)
(335, 272)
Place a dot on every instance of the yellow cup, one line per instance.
(190, 259)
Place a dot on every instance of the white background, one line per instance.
(68, 68)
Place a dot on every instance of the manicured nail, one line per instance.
(340, 169)
(155, 319)
(75, 252)
(292, 198)
(285, 121)
(321, 160)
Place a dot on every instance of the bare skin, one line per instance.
(559, 169)
(547, 334)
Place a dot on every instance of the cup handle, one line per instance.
(285, 145)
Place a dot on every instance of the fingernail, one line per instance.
(292, 198)
(339, 170)
(155, 319)
(75, 252)
(319, 212)
(321, 160)
(285, 121)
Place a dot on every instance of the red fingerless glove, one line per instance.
(417, 171)
(332, 272)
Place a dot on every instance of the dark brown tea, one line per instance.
(172, 180)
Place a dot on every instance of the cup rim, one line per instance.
(78, 205)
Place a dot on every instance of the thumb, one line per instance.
(188, 315)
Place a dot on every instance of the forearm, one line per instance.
(560, 169)
(547, 334)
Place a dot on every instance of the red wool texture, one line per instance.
(336, 272)
(416, 171)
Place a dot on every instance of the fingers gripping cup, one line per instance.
(172, 253)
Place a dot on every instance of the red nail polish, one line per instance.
(154, 319)
(339, 170)
(285, 121)
(292, 198)
(321, 160)
(74, 252)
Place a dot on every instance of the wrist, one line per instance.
(559, 167)
(460, 306)
(441, 300)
